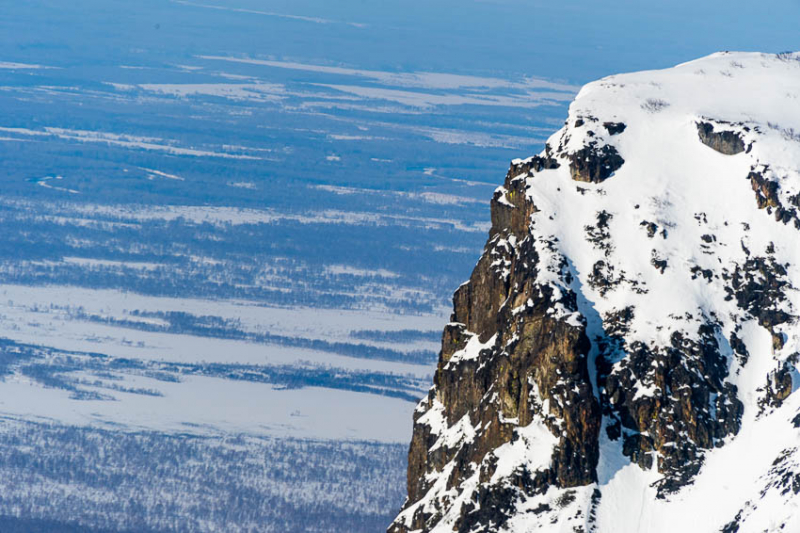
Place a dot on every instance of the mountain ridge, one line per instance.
(628, 338)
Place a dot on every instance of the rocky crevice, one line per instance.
(534, 367)
(671, 403)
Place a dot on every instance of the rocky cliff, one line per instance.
(623, 357)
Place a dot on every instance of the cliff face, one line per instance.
(624, 354)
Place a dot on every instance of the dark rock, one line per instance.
(533, 349)
(706, 273)
(766, 190)
(725, 142)
(594, 164)
(658, 263)
(783, 476)
(767, 197)
(732, 526)
(614, 128)
(778, 387)
(759, 285)
(651, 228)
(532, 165)
(739, 349)
(617, 323)
(685, 382)
(603, 278)
(599, 234)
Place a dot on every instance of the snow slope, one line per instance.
(674, 179)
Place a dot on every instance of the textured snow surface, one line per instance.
(671, 178)
(707, 217)
(53, 322)
(213, 406)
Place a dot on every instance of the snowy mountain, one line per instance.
(624, 355)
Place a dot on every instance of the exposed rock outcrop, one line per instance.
(726, 142)
(617, 334)
(507, 362)
(594, 164)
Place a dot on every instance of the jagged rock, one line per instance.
(759, 285)
(725, 142)
(588, 363)
(659, 263)
(533, 164)
(594, 165)
(768, 197)
(614, 128)
(678, 378)
(651, 228)
(504, 354)
(766, 190)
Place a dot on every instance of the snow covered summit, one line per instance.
(624, 356)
